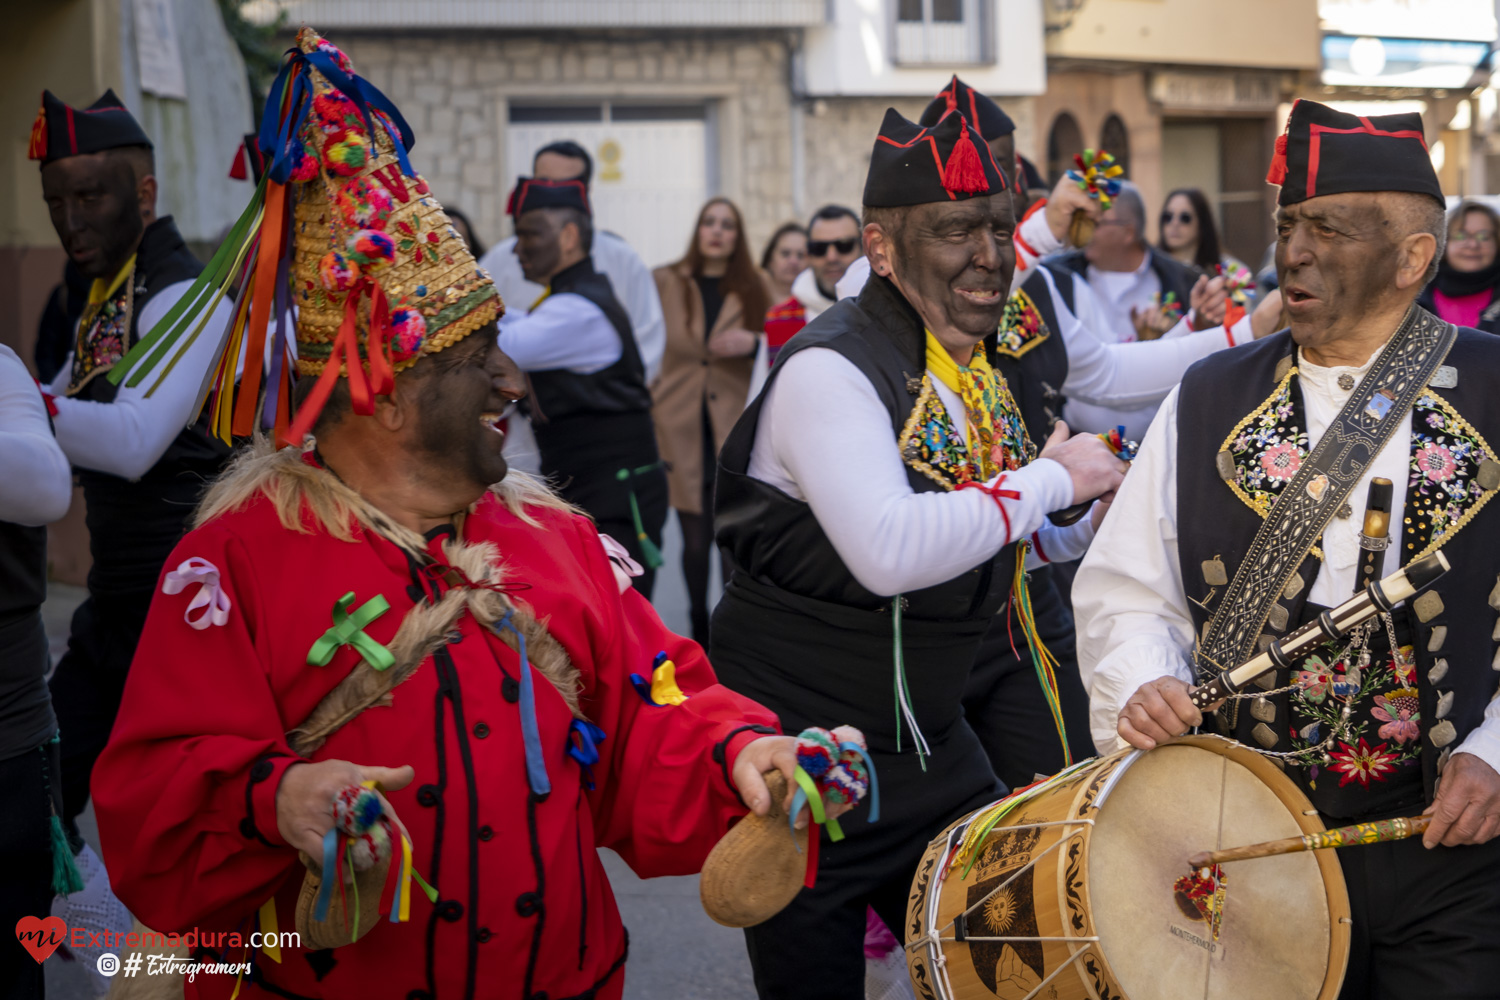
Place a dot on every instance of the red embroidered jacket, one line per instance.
(185, 792)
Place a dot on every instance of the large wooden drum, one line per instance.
(1085, 891)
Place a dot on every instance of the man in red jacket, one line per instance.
(370, 608)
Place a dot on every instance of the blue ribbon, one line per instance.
(536, 765)
(585, 749)
(330, 873)
(277, 135)
(874, 785)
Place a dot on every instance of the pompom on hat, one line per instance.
(1324, 151)
(912, 165)
(346, 231)
(982, 112)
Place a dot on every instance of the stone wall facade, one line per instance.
(455, 89)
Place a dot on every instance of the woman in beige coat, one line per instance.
(714, 302)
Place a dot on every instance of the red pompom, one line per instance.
(1277, 172)
(964, 171)
(37, 149)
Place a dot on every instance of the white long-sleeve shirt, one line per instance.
(127, 437)
(1133, 620)
(1128, 379)
(565, 331)
(613, 258)
(37, 485)
(825, 437)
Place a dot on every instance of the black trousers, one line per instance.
(1003, 700)
(814, 949)
(86, 691)
(1426, 923)
(25, 843)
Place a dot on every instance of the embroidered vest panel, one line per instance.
(1241, 437)
(134, 524)
(1031, 354)
(777, 539)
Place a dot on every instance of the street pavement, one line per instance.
(676, 951)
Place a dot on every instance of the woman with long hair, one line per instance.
(714, 301)
(1465, 289)
(1189, 235)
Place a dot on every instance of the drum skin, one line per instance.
(1284, 927)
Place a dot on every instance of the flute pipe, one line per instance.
(1343, 836)
(1377, 596)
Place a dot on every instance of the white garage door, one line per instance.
(651, 165)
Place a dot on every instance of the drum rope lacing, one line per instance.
(1356, 646)
(932, 940)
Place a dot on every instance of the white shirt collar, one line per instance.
(1325, 381)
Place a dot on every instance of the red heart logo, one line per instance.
(41, 937)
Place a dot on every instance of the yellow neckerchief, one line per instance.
(970, 384)
(540, 299)
(99, 292)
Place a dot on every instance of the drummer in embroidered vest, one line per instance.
(141, 458)
(1242, 520)
(418, 619)
(882, 491)
(1048, 355)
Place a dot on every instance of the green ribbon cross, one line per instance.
(348, 630)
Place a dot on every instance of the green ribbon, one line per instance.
(650, 553)
(348, 630)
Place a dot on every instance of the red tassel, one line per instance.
(1277, 172)
(951, 95)
(964, 172)
(37, 149)
(238, 171)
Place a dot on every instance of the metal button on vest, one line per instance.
(485, 833)
(1346, 381)
(481, 730)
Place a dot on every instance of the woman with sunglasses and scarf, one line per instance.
(1189, 235)
(1463, 292)
(714, 300)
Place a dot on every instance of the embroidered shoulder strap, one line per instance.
(1307, 503)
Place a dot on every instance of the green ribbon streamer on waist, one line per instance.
(348, 630)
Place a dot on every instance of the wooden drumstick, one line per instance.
(1343, 836)
(1376, 597)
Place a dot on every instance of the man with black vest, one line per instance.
(875, 500)
(141, 465)
(1046, 353)
(590, 408)
(1243, 519)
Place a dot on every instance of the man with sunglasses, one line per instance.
(833, 244)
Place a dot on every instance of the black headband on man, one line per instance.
(1330, 152)
(61, 131)
(533, 192)
(912, 165)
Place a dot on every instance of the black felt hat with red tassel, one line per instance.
(983, 113)
(1324, 151)
(912, 165)
(61, 130)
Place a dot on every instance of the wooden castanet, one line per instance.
(1343, 836)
